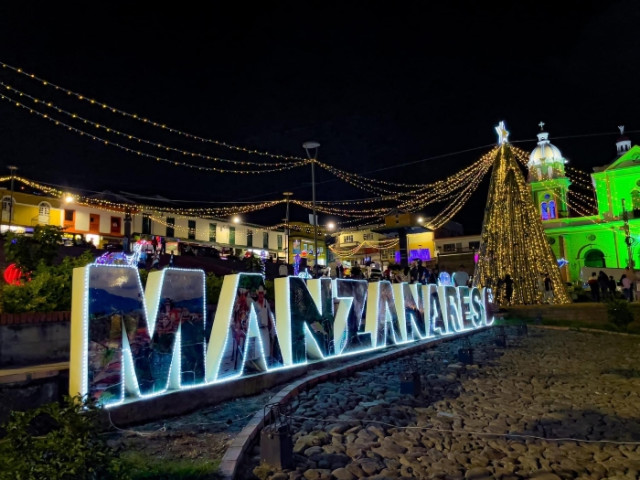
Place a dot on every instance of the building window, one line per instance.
(94, 223)
(449, 247)
(171, 227)
(367, 236)
(191, 232)
(44, 209)
(69, 216)
(265, 240)
(279, 242)
(212, 232)
(232, 235)
(347, 239)
(548, 208)
(6, 204)
(474, 245)
(146, 224)
(116, 225)
(249, 238)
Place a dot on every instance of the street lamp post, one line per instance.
(286, 225)
(12, 169)
(314, 147)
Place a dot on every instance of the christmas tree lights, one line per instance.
(513, 240)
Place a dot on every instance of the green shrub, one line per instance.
(213, 285)
(48, 290)
(619, 314)
(57, 442)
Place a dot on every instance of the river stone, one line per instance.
(317, 474)
(343, 474)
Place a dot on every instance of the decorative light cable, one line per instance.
(129, 136)
(144, 154)
(450, 210)
(344, 252)
(147, 121)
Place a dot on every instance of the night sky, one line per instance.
(391, 90)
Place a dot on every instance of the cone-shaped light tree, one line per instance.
(513, 241)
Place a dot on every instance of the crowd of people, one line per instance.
(603, 287)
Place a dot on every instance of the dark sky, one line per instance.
(384, 87)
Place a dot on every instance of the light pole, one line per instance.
(12, 169)
(627, 237)
(286, 225)
(314, 147)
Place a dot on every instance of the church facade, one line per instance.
(607, 237)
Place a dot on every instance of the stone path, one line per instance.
(552, 405)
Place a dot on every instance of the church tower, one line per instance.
(547, 180)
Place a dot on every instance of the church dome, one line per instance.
(545, 152)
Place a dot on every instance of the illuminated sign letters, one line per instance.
(128, 344)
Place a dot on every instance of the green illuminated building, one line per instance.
(608, 238)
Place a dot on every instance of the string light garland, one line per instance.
(157, 158)
(144, 120)
(132, 137)
(344, 252)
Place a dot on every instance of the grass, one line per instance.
(144, 467)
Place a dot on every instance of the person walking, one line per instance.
(595, 287)
(548, 289)
(612, 287)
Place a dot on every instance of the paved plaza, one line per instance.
(553, 404)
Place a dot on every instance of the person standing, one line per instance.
(626, 286)
(548, 289)
(603, 283)
(283, 270)
(595, 287)
(508, 288)
(612, 287)
(265, 323)
(461, 277)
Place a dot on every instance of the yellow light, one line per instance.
(68, 198)
(236, 219)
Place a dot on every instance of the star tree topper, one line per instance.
(503, 133)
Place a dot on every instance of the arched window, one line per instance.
(44, 208)
(548, 208)
(6, 204)
(43, 212)
(594, 259)
(544, 211)
(552, 209)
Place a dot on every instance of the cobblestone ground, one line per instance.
(551, 405)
